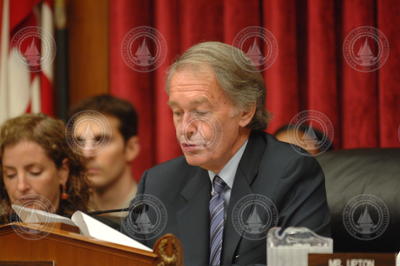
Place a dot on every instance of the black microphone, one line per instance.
(108, 211)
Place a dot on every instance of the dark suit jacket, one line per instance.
(295, 184)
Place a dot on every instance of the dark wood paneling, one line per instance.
(88, 48)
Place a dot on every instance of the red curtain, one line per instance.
(309, 73)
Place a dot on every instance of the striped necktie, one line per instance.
(216, 221)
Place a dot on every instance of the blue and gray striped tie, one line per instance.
(216, 221)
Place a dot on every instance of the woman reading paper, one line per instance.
(38, 169)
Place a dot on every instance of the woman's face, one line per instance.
(31, 178)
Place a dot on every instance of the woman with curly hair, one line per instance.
(38, 169)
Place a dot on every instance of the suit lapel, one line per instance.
(193, 218)
(245, 175)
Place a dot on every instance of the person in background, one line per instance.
(38, 169)
(103, 130)
(304, 136)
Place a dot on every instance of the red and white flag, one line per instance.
(27, 51)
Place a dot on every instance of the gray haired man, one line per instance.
(234, 181)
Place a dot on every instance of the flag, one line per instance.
(27, 51)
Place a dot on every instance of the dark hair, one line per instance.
(49, 133)
(113, 106)
(304, 128)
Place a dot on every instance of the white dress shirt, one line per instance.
(228, 173)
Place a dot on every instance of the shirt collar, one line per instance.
(228, 172)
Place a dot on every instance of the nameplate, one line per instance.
(352, 259)
(27, 263)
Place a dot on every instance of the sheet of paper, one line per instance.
(28, 215)
(93, 228)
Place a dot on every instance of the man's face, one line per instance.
(103, 146)
(207, 123)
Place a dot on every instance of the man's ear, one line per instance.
(132, 148)
(63, 172)
(247, 115)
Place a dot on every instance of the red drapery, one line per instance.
(310, 72)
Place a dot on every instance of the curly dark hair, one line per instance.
(49, 133)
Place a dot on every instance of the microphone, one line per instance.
(108, 211)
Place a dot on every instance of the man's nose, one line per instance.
(89, 149)
(189, 127)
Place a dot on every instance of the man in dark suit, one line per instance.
(234, 181)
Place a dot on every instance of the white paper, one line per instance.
(93, 228)
(28, 215)
(89, 226)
